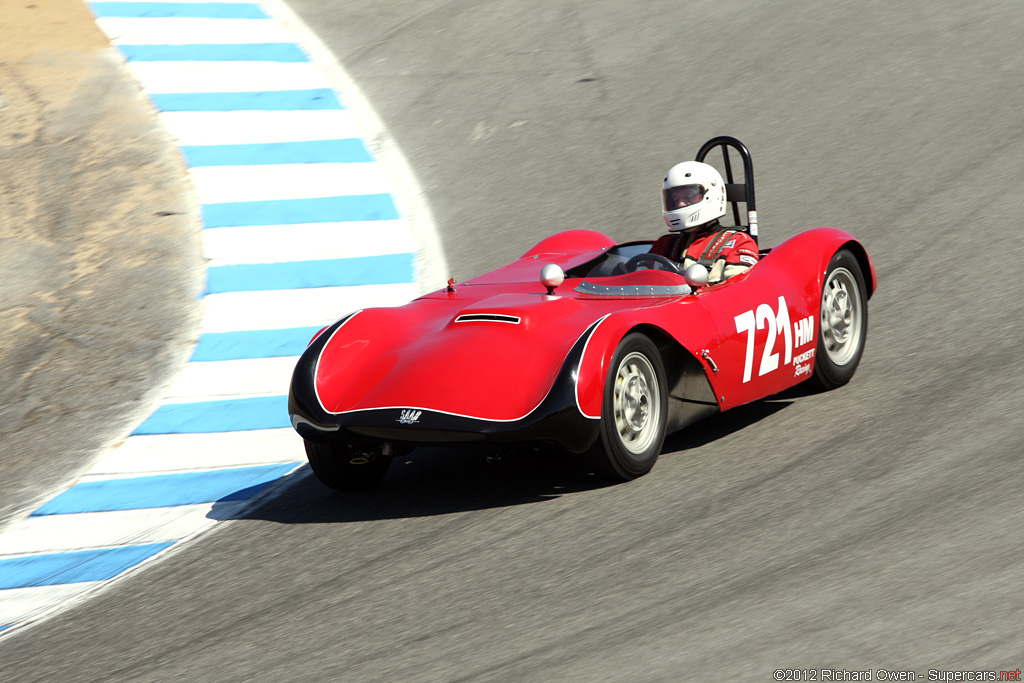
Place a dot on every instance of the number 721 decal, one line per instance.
(777, 323)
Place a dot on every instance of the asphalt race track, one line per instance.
(874, 527)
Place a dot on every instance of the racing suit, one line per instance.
(724, 252)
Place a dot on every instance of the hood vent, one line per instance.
(488, 318)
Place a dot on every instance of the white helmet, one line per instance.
(693, 194)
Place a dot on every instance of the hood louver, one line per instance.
(488, 318)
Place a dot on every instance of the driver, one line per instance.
(693, 199)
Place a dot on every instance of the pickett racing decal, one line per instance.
(777, 322)
(802, 363)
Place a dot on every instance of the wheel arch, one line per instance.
(867, 268)
(815, 248)
(690, 393)
(830, 372)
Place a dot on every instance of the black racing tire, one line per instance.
(634, 412)
(342, 467)
(842, 322)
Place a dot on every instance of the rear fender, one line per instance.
(826, 242)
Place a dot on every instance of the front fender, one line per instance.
(677, 327)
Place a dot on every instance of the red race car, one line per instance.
(597, 347)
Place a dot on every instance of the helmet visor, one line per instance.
(682, 195)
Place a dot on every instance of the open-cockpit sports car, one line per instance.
(596, 347)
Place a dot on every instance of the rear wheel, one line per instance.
(347, 467)
(843, 322)
(634, 412)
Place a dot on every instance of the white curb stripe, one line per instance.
(218, 184)
(57, 533)
(189, 31)
(232, 378)
(21, 604)
(303, 242)
(207, 77)
(149, 454)
(257, 127)
(279, 309)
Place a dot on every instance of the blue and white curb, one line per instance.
(299, 227)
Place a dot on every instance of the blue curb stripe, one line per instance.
(215, 346)
(189, 10)
(4, 626)
(344, 272)
(228, 415)
(344, 151)
(165, 490)
(241, 52)
(74, 567)
(272, 100)
(363, 207)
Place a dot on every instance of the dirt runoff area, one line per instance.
(100, 253)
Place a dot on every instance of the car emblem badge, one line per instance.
(409, 417)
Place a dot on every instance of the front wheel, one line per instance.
(634, 412)
(843, 322)
(346, 467)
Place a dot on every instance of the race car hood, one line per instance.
(491, 356)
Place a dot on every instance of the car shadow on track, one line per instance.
(439, 481)
(718, 426)
(429, 482)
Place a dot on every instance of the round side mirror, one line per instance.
(551, 275)
(696, 276)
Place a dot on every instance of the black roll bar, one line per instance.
(736, 192)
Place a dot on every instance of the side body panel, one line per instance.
(766, 323)
(767, 319)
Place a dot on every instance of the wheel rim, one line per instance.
(636, 403)
(841, 316)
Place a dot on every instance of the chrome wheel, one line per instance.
(843, 323)
(841, 316)
(634, 412)
(637, 403)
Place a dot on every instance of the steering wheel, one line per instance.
(653, 262)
